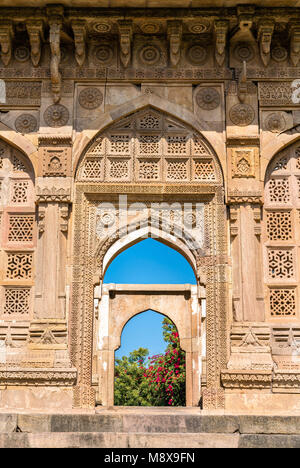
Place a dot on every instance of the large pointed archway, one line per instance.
(129, 176)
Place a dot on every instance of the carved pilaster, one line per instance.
(6, 34)
(265, 34)
(221, 30)
(35, 32)
(175, 36)
(79, 29)
(126, 33)
(55, 22)
(294, 31)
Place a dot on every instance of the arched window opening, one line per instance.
(150, 366)
(17, 210)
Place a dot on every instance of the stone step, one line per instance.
(110, 440)
(150, 423)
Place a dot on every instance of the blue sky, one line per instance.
(147, 262)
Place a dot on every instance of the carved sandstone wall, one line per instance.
(195, 106)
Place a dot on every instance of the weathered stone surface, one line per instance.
(269, 441)
(8, 422)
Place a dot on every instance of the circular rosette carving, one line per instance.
(150, 28)
(26, 123)
(189, 219)
(243, 52)
(22, 54)
(242, 115)
(198, 27)
(90, 98)
(150, 55)
(208, 98)
(279, 54)
(275, 122)
(101, 27)
(196, 54)
(56, 115)
(104, 54)
(107, 218)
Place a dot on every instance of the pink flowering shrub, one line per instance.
(156, 381)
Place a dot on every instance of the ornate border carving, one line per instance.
(39, 377)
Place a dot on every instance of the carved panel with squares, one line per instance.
(282, 302)
(21, 228)
(143, 147)
(19, 266)
(16, 302)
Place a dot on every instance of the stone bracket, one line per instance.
(126, 34)
(175, 37)
(35, 29)
(6, 36)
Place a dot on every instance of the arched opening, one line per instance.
(149, 278)
(150, 368)
(150, 261)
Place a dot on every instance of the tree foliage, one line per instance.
(158, 380)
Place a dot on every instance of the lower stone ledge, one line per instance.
(38, 377)
(251, 379)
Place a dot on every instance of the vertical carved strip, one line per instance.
(55, 22)
(221, 30)
(126, 33)
(295, 43)
(35, 32)
(265, 34)
(79, 30)
(175, 36)
(6, 34)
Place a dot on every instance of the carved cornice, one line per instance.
(246, 379)
(286, 382)
(53, 194)
(38, 377)
(238, 197)
(55, 141)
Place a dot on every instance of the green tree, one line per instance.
(156, 381)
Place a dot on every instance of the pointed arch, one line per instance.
(23, 145)
(278, 144)
(108, 250)
(159, 104)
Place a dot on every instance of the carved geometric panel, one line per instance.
(177, 169)
(203, 169)
(279, 190)
(144, 147)
(279, 225)
(16, 302)
(20, 191)
(19, 266)
(93, 169)
(20, 228)
(281, 263)
(282, 302)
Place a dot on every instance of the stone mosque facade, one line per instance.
(178, 120)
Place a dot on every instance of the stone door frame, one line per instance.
(88, 272)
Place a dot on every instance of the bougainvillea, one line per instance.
(152, 381)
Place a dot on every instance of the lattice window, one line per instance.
(281, 263)
(92, 169)
(16, 301)
(279, 225)
(21, 228)
(122, 152)
(148, 170)
(20, 192)
(279, 190)
(176, 144)
(120, 144)
(283, 302)
(149, 144)
(149, 121)
(18, 165)
(19, 266)
(177, 169)
(119, 168)
(280, 233)
(204, 170)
